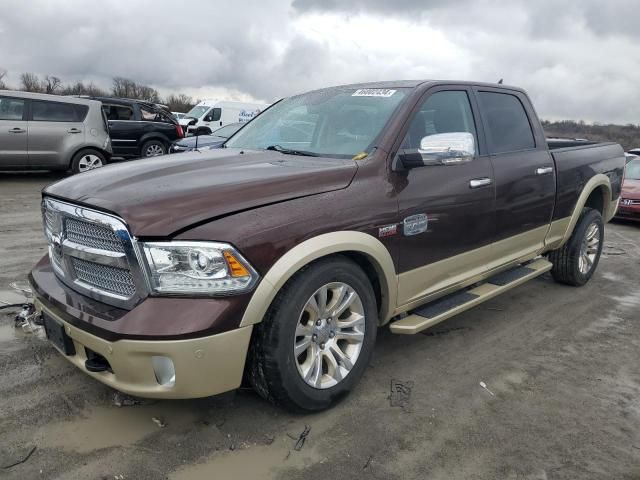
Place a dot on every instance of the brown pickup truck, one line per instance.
(330, 215)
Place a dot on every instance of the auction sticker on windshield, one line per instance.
(373, 92)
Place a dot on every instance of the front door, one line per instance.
(13, 132)
(524, 173)
(447, 214)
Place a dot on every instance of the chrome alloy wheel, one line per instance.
(89, 162)
(329, 335)
(153, 150)
(589, 249)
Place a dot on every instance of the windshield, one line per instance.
(227, 131)
(339, 122)
(633, 170)
(197, 111)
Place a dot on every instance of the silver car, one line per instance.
(52, 132)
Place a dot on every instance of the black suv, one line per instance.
(139, 129)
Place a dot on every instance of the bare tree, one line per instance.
(179, 102)
(30, 82)
(52, 84)
(126, 88)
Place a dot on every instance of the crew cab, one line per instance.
(138, 128)
(332, 214)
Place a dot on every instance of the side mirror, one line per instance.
(208, 118)
(442, 149)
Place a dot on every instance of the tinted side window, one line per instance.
(507, 122)
(117, 112)
(442, 112)
(43, 111)
(216, 113)
(11, 108)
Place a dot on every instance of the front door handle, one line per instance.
(74, 130)
(479, 182)
(17, 130)
(543, 170)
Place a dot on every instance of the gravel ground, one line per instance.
(561, 364)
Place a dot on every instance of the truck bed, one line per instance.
(576, 162)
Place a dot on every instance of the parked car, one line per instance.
(206, 142)
(209, 115)
(280, 255)
(139, 129)
(630, 156)
(51, 132)
(179, 115)
(630, 202)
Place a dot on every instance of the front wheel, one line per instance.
(316, 340)
(576, 261)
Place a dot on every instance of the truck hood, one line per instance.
(160, 196)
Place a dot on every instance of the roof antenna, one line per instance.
(500, 81)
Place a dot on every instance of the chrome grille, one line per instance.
(112, 279)
(92, 235)
(93, 253)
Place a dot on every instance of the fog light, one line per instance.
(164, 370)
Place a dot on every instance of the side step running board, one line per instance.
(450, 305)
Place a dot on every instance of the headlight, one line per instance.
(207, 268)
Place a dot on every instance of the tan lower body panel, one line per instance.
(416, 323)
(203, 366)
(415, 286)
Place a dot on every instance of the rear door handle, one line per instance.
(17, 130)
(479, 182)
(74, 130)
(543, 170)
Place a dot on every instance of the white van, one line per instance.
(210, 115)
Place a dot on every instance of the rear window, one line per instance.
(44, 111)
(507, 121)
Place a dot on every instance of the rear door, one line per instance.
(124, 130)
(13, 132)
(56, 131)
(446, 221)
(524, 172)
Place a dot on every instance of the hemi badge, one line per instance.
(388, 230)
(415, 224)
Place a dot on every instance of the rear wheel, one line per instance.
(153, 148)
(86, 160)
(316, 340)
(575, 263)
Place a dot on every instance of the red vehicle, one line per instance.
(630, 200)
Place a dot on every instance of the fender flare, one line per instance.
(314, 249)
(609, 206)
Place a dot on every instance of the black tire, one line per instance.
(566, 260)
(151, 146)
(88, 155)
(272, 369)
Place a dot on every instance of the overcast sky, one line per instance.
(578, 61)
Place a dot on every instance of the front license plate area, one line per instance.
(56, 335)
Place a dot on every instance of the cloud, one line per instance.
(578, 60)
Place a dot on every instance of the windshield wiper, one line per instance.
(288, 151)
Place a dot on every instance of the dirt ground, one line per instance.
(562, 364)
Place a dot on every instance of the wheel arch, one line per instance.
(366, 250)
(153, 136)
(595, 194)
